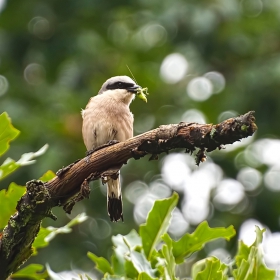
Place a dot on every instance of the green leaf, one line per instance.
(40, 241)
(101, 264)
(213, 268)
(65, 229)
(118, 264)
(9, 165)
(132, 240)
(145, 276)
(32, 271)
(243, 253)
(140, 263)
(45, 235)
(130, 270)
(157, 223)
(122, 246)
(191, 243)
(168, 258)
(115, 277)
(47, 176)
(8, 203)
(7, 133)
(249, 261)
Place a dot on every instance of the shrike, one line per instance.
(107, 117)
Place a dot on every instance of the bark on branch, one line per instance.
(72, 182)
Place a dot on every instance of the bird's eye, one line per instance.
(120, 84)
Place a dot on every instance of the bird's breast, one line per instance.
(105, 120)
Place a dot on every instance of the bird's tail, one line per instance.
(114, 199)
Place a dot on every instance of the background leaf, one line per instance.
(101, 264)
(157, 223)
(8, 202)
(249, 261)
(191, 243)
(45, 235)
(47, 176)
(122, 245)
(7, 133)
(9, 165)
(168, 258)
(213, 269)
(32, 271)
(65, 229)
(40, 241)
(140, 263)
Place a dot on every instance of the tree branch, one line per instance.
(72, 182)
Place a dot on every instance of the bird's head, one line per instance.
(121, 88)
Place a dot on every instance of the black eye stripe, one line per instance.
(119, 85)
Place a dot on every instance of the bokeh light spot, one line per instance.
(244, 142)
(250, 178)
(199, 89)
(2, 5)
(247, 231)
(228, 193)
(194, 115)
(34, 74)
(173, 68)
(252, 8)
(4, 85)
(271, 248)
(264, 151)
(40, 27)
(217, 80)
(135, 190)
(100, 228)
(142, 208)
(226, 115)
(196, 210)
(272, 179)
(175, 171)
(154, 35)
(178, 225)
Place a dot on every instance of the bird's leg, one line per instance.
(111, 142)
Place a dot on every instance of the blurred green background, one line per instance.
(202, 61)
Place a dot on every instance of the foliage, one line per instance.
(14, 192)
(9, 200)
(151, 253)
(249, 260)
(9, 197)
(9, 133)
(57, 54)
(142, 256)
(32, 271)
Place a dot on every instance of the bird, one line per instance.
(107, 117)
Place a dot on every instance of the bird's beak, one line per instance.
(133, 89)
